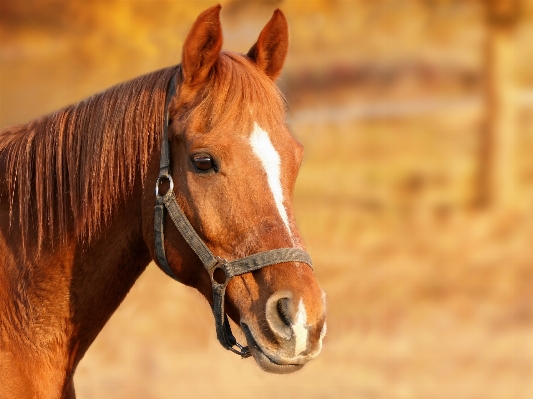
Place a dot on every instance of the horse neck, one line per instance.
(104, 272)
(55, 300)
(71, 290)
(54, 307)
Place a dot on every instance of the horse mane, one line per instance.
(68, 169)
(241, 89)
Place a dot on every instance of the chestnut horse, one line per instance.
(77, 220)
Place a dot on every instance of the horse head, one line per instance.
(234, 164)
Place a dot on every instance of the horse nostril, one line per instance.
(282, 307)
(278, 316)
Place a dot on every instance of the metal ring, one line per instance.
(243, 351)
(221, 263)
(165, 176)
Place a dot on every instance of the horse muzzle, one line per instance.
(288, 337)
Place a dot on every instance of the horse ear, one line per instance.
(202, 46)
(271, 48)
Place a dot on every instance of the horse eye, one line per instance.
(203, 162)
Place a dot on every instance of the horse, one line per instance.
(79, 219)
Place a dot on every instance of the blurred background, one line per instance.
(415, 196)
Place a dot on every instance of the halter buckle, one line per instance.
(159, 180)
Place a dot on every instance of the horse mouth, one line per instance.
(264, 360)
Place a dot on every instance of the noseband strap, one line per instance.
(210, 261)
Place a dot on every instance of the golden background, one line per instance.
(430, 295)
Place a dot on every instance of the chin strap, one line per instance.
(211, 262)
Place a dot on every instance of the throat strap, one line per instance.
(164, 160)
(210, 261)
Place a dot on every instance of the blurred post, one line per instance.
(497, 171)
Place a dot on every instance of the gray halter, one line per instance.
(210, 261)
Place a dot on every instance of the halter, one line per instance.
(210, 261)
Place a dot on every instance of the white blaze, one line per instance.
(300, 329)
(264, 150)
